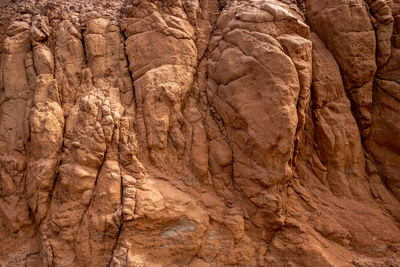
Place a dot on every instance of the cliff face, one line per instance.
(200, 133)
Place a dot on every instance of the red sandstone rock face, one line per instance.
(200, 133)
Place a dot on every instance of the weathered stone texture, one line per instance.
(200, 133)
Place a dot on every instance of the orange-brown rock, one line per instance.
(200, 133)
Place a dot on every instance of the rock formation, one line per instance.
(200, 133)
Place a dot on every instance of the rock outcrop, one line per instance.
(200, 133)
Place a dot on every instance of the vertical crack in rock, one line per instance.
(385, 20)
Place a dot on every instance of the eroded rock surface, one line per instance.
(200, 133)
